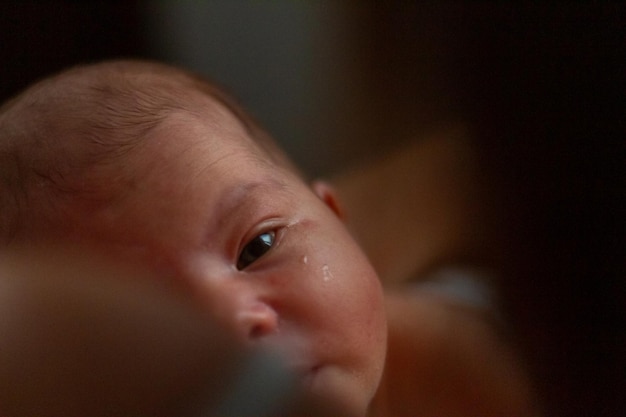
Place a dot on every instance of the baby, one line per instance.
(152, 165)
(157, 167)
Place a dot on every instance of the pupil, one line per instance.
(255, 249)
(261, 244)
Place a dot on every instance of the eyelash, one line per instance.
(255, 249)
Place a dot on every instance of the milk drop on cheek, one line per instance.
(326, 273)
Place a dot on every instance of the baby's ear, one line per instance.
(328, 195)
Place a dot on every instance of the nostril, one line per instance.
(258, 332)
(258, 321)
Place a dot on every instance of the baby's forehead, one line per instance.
(161, 98)
(206, 122)
(104, 111)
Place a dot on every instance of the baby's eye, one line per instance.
(256, 248)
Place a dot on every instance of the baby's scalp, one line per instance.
(58, 136)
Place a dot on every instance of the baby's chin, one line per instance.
(347, 394)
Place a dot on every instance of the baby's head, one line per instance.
(153, 164)
(81, 122)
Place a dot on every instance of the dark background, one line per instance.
(38, 38)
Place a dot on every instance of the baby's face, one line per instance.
(255, 245)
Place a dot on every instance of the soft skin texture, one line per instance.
(191, 196)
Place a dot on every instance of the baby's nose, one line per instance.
(255, 319)
(242, 309)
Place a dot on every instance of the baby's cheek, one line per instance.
(328, 262)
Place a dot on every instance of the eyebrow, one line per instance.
(234, 197)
